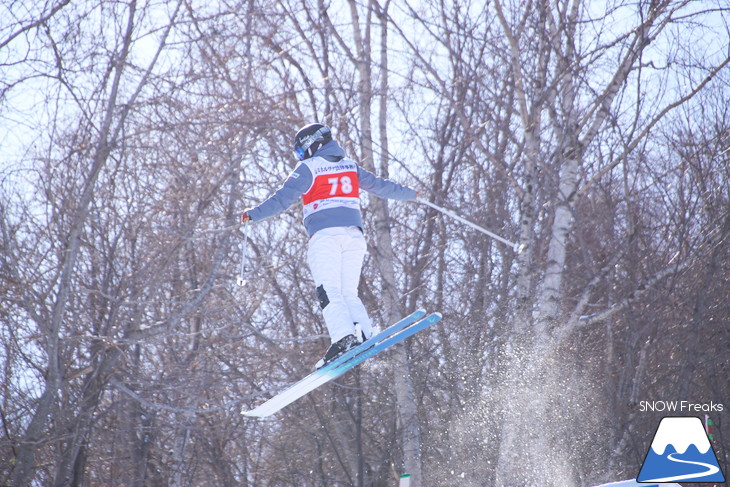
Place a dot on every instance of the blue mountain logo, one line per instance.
(680, 451)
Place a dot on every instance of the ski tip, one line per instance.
(258, 412)
(253, 414)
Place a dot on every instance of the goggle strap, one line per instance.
(308, 141)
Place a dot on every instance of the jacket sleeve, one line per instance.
(384, 188)
(298, 183)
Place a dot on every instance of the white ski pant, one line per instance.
(335, 256)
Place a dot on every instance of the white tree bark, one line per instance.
(385, 256)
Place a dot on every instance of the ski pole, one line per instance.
(241, 281)
(516, 247)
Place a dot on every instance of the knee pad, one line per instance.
(322, 297)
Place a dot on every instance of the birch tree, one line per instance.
(570, 109)
(574, 122)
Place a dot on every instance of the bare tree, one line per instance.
(128, 352)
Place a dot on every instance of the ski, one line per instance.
(388, 342)
(313, 380)
(397, 332)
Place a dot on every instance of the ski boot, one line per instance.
(336, 349)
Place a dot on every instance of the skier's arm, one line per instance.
(298, 183)
(384, 188)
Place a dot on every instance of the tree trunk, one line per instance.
(32, 438)
(383, 243)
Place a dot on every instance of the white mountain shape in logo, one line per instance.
(680, 433)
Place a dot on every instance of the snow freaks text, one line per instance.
(680, 407)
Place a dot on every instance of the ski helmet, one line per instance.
(310, 138)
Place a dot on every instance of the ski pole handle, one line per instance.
(516, 247)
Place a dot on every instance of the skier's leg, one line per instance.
(324, 256)
(352, 259)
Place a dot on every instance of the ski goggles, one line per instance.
(307, 142)
(299, 152)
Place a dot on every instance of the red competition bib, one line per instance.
(335, 184)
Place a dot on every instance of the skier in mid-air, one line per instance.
(328, 184)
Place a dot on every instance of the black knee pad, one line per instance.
(322, 297)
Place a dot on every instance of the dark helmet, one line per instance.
(310, 138)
